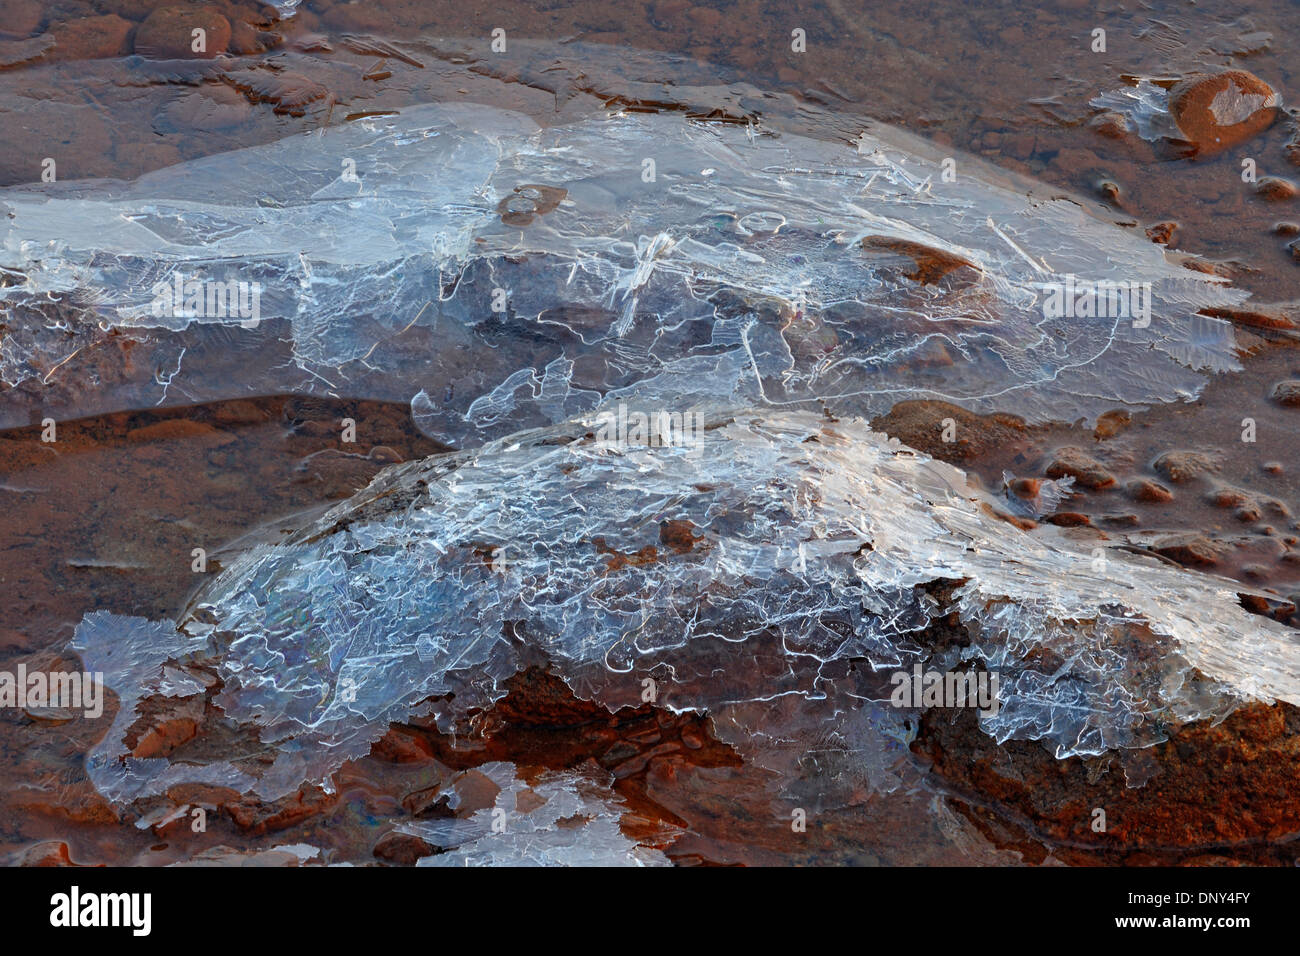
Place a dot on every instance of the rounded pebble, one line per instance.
(1287, 393)
(1219, 110)
(1276, 189)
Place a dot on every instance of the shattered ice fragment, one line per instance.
(571, 819)
(1033, 498)
(1145, 105)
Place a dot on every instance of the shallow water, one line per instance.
(1025, 113)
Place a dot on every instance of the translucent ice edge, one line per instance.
(1146, 106)
(576, 823)
(774, 574)
(552, 269)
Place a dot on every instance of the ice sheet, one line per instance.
(774, 577)
(512, 276)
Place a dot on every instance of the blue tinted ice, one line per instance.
(510, 276)
(774, 576)
(519, 284)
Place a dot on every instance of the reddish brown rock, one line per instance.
(204, 794)
(289, 92)
(1110, 125)
(1276, 189)
(1026, 488)
(1228, 498)
(401, 746)
(20, 18)
(428, 802)
(255, 817)
(537, 697)
(1219, 110)
(476, 791)
(929, 264)
(246, 40)
(921, 425)
(168, 33)
(1189, 550)
(1183, 466)
(1143, 489)
(402, 848)
(1024, 524)
(1088, 472)
(166, 736)
(51, 715)
(1162, 233)
(173, 429)
(1119, 519)
(49, 853)
(1262, 316)
(1070, 519)
(1235, 783)
(677, 536)
(91, 38)
(18, 52)
(238, 412)
(1287, 393)
(1110, 424)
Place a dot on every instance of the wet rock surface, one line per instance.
(1228, 790)
(180, 32)
(1221, 110)
(1087, 472)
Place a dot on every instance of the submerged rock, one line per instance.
(1076, 463)
(1287, 393)
(170, 33)
(1220, 110)
(1207, 112)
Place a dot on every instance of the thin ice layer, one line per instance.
(562, 819)
(511, 276)
(775, 575)
(1145, 105)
